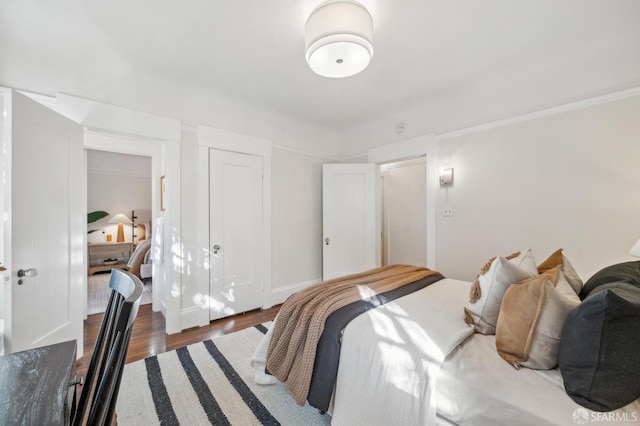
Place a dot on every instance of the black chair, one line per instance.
(110, 351)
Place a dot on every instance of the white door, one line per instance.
(349, 225)
(44, 225)
(405, 212)
(235, 224)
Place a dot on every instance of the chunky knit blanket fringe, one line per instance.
(300, 321)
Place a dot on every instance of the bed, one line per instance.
(414, 361)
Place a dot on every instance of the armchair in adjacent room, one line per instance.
(140, 261)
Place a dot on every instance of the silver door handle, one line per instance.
(215, 249)
(31, 272)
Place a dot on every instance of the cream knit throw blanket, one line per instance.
(301, 320)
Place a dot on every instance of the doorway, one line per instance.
(403, 197)
(118, 184)
(144, 151)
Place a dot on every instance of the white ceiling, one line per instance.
(475, 56)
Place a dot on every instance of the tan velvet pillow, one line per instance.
(557, 258)
(531, 318)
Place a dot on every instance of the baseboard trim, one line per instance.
(190, 317)
(280, 294)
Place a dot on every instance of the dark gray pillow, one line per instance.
(599, 354)
(628, 272)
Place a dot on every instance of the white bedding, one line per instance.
(389, 353)
(408, 360)
(477, 387)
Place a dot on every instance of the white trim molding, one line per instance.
(113, 119)
(572, 106)
(234, 142)
(306, 153)
(280, 294)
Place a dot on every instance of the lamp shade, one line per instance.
(635, 250)
(120, 219)
(339, 38)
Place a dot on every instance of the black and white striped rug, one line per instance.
(209, 382)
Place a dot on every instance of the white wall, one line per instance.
(117, 183)
(296, 241)
(570, 180)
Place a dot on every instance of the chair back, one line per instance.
(100, 390)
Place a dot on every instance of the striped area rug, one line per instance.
(205, 383)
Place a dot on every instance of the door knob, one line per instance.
(326, 241)
(31, 272)
(215, 249)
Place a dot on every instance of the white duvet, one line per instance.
(390, 356)
(403, 361)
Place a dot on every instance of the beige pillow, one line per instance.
(531, 318)
(489, 287)
(557, 258)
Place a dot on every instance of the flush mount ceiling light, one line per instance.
(338, 38)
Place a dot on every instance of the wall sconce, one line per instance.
(446, 178)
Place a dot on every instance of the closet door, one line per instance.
(235, 239)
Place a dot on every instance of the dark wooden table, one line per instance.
(34, 385)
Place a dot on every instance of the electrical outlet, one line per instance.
(447, 211)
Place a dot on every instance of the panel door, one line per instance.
(349, 211)
(235, 215)
(45, 225)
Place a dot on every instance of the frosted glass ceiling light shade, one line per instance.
(338, 39)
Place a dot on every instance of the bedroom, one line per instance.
(488, 65)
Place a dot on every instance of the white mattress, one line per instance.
(477, 387)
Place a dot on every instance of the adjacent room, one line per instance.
(118, 196)
(346, 212)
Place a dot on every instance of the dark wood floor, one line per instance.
(149, 337)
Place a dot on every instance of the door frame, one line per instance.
(212, 138)
(165, 134)
(421, 146)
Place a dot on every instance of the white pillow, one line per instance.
(526, 262)
(488, 290)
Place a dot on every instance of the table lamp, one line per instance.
(120, 219)
(635, 250)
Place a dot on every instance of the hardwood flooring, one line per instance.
(149, 337)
